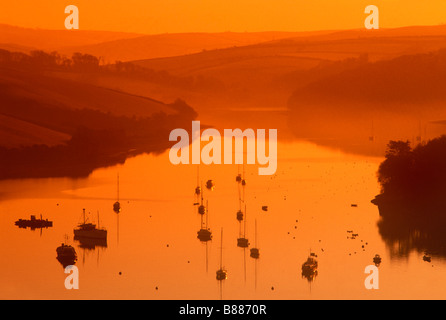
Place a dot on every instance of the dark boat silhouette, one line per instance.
(198, 188)
(34, 223)
(309, 268)
(377, 259)
(89, 230)
(222, 275)
(240, 215)
(202, 208)
(242, 243)
(255, 252)
(210, 185)
(66, 255)
(205, 234)
(117, 207)
(427, 258)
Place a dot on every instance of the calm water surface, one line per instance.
(152, 250)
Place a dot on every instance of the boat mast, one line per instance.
(244, 224)
(221, 250)
(255, 226)
(207, 213)
(118, 188)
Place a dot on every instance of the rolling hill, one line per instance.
(175, 44)
(13, 37)
(55, 126)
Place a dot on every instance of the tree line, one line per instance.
(39, 61)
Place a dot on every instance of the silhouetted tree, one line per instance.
(85, 62)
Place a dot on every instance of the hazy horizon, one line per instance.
(235, 16)
(315, 31)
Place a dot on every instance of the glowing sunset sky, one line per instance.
(161, 16)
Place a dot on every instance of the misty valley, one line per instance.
(267, 165)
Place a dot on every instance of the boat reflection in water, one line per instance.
(405, 229)
(91, 243)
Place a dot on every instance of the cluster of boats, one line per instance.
(241, 217)
(204, 234)
(85, 232)
(88, 234)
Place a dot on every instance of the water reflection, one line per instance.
(317, 192)
(90, 243)
(402, 237)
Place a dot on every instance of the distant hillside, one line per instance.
(52, 126)
(178, 44)
(409, 84)
(400, 98)
(277, 61)
(41, 39)
(175, 44)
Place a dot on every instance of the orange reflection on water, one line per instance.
(152, 248)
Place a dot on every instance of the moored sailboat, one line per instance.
(89, 230)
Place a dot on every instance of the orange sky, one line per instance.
(160, 16)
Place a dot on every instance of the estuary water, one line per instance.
(315, 202)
